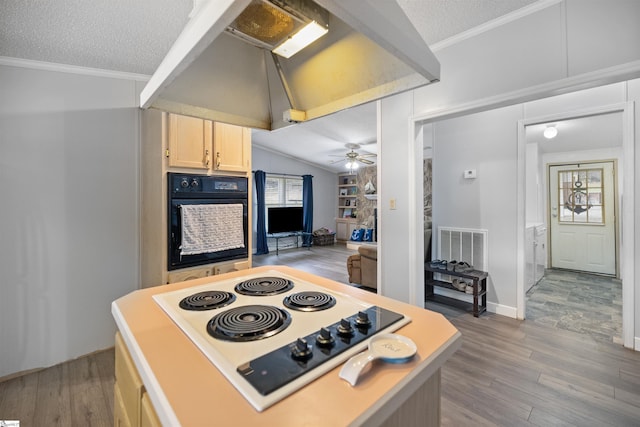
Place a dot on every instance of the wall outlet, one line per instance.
(392, 204)
(470, 174)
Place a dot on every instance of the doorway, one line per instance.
(575, 197)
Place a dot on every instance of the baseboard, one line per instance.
(503, 310)
(636, 344)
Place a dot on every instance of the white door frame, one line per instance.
(626, 217)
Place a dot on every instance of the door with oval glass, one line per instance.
(582, 223)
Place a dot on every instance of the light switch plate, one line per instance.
(470, 174)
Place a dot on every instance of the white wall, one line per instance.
(486, 142)
(69, 221)
(325, 201)
(400, 201)
(566, 39)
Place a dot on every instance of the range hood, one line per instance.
(222, 66)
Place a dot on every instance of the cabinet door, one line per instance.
(120, 418)
(342, 230)
(148, 417)
(232, 148)
(189, 142)
(128, 388)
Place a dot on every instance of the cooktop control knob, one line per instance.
(301, 350)
(345, 328)
(184, 183)
(325, 339)
(362, 320)
(194, 183)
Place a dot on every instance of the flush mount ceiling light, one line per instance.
(550, 132)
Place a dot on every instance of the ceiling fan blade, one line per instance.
(367, 155)
(365, 161)
(336, 161)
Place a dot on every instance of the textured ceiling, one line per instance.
(135, 35)
(120, 35)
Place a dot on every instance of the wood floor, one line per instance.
(506, 373)
(75, 393)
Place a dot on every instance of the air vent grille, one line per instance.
(462, 244)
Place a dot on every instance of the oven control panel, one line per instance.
(180, 183)
(282, 366)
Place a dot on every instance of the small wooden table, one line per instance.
(479, 283)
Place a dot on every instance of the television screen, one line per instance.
(283, 220)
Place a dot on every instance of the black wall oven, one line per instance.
(208, 219)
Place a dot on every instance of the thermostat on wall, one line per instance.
(470, 174)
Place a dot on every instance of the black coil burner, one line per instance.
(207, 300)
(264, 286)
(309, 301)
(248, 323)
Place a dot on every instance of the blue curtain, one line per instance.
(307, 208)
(261, 228)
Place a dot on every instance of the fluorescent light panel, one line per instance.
(303, 38)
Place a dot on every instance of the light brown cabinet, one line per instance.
(202, 144)
(132, 407)
(231, 148)
(344, 228)
(190, 142)
(174, 143)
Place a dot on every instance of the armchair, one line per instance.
(363, 266)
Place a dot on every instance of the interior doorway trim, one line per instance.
(626, 223)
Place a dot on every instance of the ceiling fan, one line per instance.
(352, 157)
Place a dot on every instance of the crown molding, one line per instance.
(495, 23)
(280, 153)
(71, 69)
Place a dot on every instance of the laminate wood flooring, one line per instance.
(506, 373)
(327, 261)
(75, 393)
